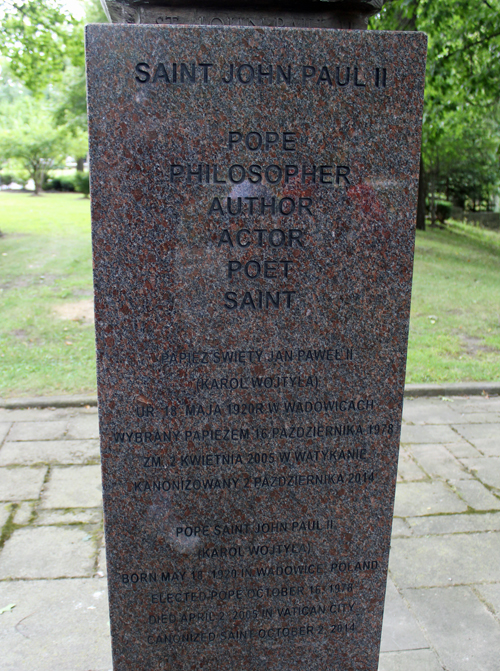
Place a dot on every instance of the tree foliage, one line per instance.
(42, 45)
(462, 157)
(461, 132)
(40, 38)
(28, 134)
(70, 100)
(463, 62)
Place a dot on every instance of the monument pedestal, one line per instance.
(346, 14)
(253, 207)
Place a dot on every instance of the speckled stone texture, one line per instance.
(253, 244)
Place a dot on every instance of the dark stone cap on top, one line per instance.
(349, 14)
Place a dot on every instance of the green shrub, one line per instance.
(59, 184)
(443, 210)
(6, 178)
(82, 183)
(67, 183)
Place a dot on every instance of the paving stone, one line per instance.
(73, 487)
(47, 552)
(101, 563)
(459, 626)
(477, 404)
(437, 461)
(84, 516)
(453, 524)
(426, 411)
(4, 430)
(438, 561)
(427, 434)
(426, 498)
(50, 451)
(411, 660)
(455, 556)
(5, 510)
(478, 418)
(83, 426)
(23, 513)
(487, 469)
(399, 629)
(18, 484)
(476, 495)
(490, 594)
(407, 469)
(462, 450)
(37, 430)
(400, 527)
(35, 414)
(485, 437)
(57, 625)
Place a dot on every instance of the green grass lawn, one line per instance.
(45, 267)
(45, 263)
(455, 315)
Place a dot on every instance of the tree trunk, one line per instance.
(410, 23)
(80, 164)
(421, 197)
(37, 174)
(433, 205)
(38, 179)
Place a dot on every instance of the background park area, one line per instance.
(46, 332)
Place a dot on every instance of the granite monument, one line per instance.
(253, 208)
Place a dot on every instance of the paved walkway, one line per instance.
(443, 600)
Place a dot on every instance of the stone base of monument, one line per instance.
(256, 13)
(253, 210)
